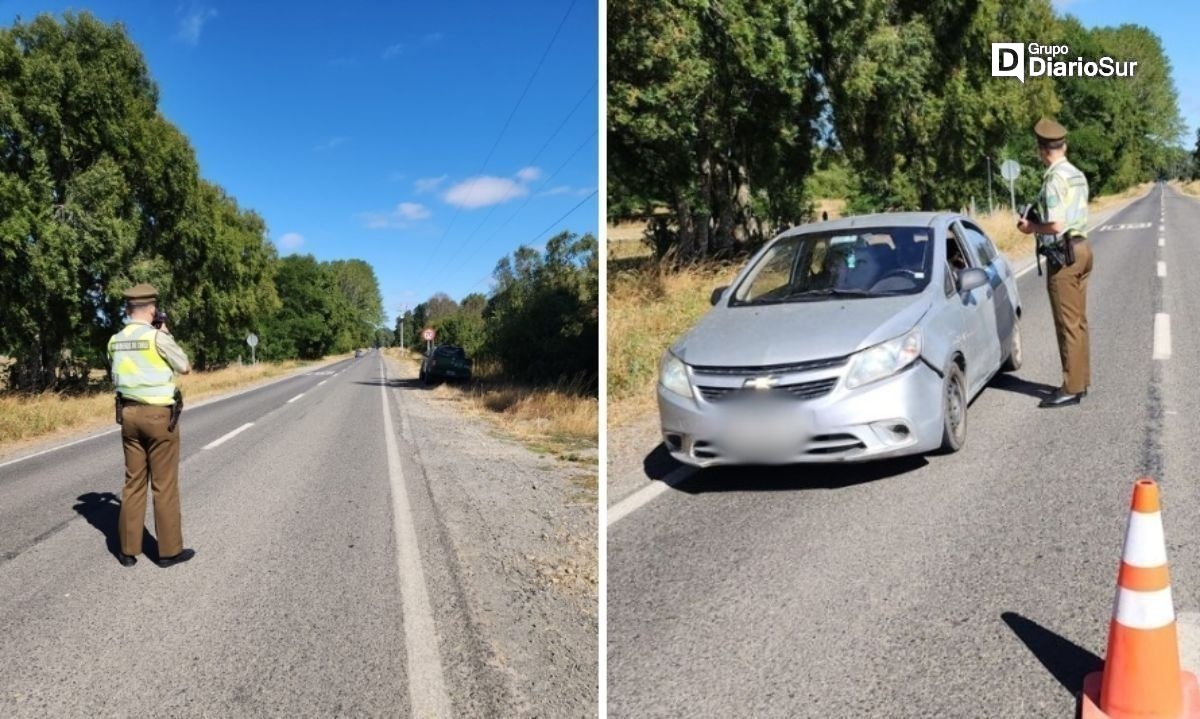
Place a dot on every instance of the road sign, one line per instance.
(1010, 170)
(428, 334)
(252, 339)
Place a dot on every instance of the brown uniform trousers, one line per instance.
(151, 454)
(1068, 303)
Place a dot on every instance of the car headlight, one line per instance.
(884, 359)
(673, 375)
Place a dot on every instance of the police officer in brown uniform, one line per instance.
(1063, 206)
(144, 360)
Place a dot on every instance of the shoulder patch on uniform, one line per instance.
(1051, 200)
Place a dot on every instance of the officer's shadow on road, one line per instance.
(659, 464)
(1012, 383)
(393, 382)
(1066, 661)
(101, 510)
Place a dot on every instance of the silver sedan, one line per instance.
(854, 339)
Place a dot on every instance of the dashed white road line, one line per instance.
(1161, 228)
(1162, 336)
(293, 399)
(322, 382)
(1162, 242)
(228, 436)
(1162, 268)
(644, 495)
(426, 687)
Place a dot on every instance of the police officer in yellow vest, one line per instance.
(1063, 204)
(144, 359)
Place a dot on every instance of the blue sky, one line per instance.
(361, 129)
(1174, 22)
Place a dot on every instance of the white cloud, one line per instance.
(483, 191)
(412, 211)
(528, 174)
(560, 190)
(192, 21)
(331, 144)
(399, 218)
(291, 241)
(427, 184)
(393, 50)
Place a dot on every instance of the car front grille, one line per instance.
(773, 369)
(802, 391)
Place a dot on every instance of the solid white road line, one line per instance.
(228, 436)
(644, 495)
(293, 399)
(1162, 336)
(1162, 268)
(426, 687)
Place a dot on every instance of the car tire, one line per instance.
(954, 410)
(1015, 356)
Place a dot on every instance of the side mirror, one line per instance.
(971, 279)
(717, 294)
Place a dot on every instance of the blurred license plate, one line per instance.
(768, 436)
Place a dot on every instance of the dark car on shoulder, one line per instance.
(445, 362)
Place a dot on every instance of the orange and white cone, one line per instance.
(1141, 677)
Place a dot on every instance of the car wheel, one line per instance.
(1013, 362)
(954, 410)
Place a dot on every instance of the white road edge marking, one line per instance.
(228, 436)
(293, 399)
(644, 495)
(426, 688)
(1162, 268)
(1162, 336)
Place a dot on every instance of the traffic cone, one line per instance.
(1141, 677)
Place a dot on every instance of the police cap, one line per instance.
(1048, 130)
(141, 293)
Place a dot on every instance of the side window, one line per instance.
(981, 246)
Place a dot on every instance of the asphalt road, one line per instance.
(329, 581)
(978, 584)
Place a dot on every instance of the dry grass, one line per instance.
(1190, 188)
(649, 305)
(648, 308)
(28, 417)
(562, 420)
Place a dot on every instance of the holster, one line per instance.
(176, 410)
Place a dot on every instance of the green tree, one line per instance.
(306, 324)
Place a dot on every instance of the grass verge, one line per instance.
(562, 420)
(24, 418)
(650, 305)
(1190, 188)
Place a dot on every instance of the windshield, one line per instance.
(856, 262)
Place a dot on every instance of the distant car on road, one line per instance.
(445, 362)
(849, 340)
(358, 353)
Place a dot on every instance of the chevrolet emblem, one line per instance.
(761, 383)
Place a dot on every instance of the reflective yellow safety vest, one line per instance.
(138, 370)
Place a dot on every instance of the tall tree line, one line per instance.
(721, 112)
(98, 191)
(540, 321)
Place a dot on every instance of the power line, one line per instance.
(504, 128)
(504, 224)
(548, 228)
(536, 155)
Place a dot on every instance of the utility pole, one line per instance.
(991, 205)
